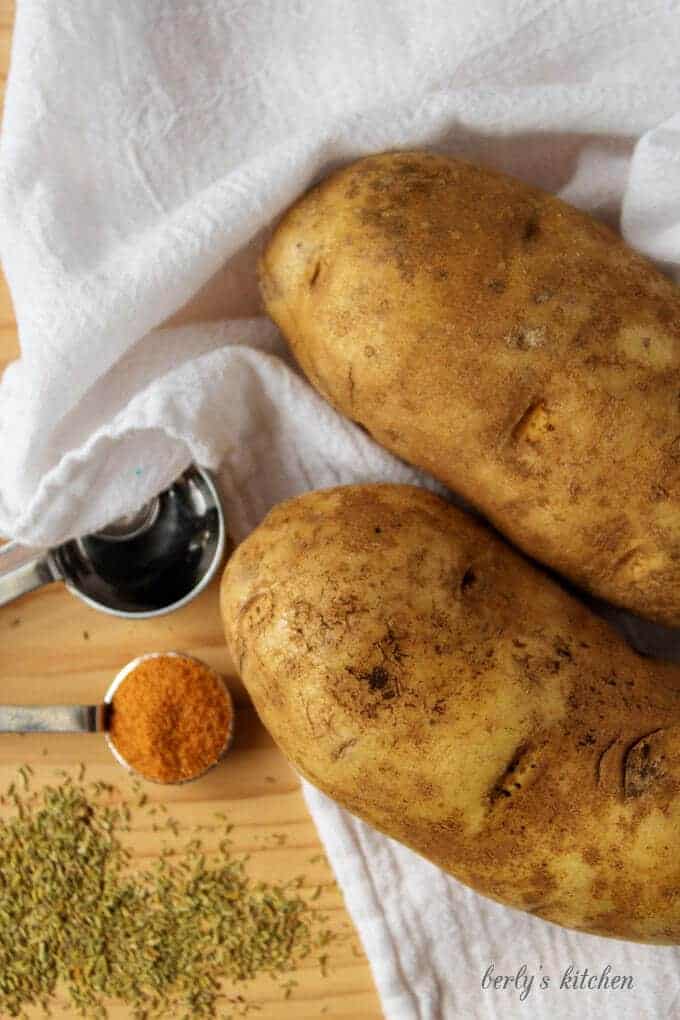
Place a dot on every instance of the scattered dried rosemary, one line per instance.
(75, 918)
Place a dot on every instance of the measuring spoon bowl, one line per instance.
(147, 564)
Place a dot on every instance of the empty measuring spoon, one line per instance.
(96, 718)
(147, 563)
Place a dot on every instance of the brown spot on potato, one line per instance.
(533, 423)
(627, 556)
(391, 647)
(341, 750)
(378, 680)
(425, 788)
(439, 707)
(643, 767)
(350, 384)
(516, 775)
(468, 580)
(531, 228)
(562, 648)
(316, 272)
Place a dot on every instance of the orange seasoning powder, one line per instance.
(171, 718)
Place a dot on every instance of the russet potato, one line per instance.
(440, 686)
(507, 343)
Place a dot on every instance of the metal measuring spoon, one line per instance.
(95, 718)
(145, 564)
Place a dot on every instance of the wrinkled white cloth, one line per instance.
(146, 150)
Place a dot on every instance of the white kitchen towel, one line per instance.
(146, 150)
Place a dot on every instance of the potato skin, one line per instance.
(508, 344)
(438, 685)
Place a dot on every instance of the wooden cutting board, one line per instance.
(53, 648)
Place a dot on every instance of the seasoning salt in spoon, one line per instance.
(167, 717)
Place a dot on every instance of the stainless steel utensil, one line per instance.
(145, 564)
(94, 718)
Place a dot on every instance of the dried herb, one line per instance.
(75, 917)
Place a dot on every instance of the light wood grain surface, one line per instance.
(55, 649)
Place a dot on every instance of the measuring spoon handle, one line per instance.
(52, 718)
(22, 570)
